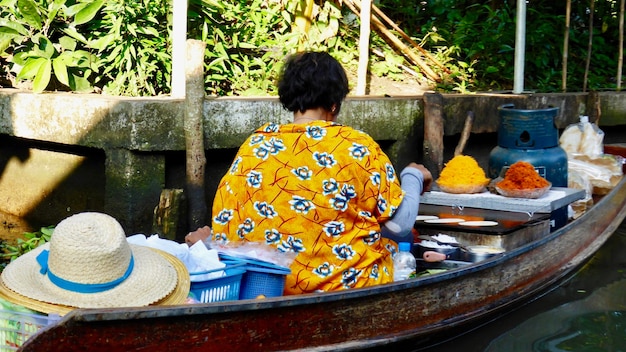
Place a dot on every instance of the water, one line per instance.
(587, 312)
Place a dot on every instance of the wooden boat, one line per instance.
(408, 314)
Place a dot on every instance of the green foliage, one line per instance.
(122, 47)
(118, 46)
(130, 39)
(481, 35)
(40, 40)
(244, 41)
(248, 40)
(389, 66)
(30, 241)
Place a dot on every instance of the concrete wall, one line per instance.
(64, 153)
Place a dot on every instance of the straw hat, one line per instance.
(91, 265)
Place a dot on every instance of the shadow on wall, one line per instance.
(66, 153)
(44, 182)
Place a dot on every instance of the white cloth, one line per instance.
(197, 258)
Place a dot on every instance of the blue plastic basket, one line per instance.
(224, 288)
(262, 279)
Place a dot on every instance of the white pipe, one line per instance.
(179, 47)
(364, 44)
(520, 47)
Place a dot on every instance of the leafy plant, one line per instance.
(59, 45)
(483, 35)
(130, 38)
(41, 41)
(30, 241)
(121, 47)
(244, 41)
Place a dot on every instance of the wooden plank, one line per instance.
(433, 133)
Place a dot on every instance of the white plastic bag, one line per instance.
(602, 172)
(255, 250)
(583, 138)
(197, 258)
(578, 180)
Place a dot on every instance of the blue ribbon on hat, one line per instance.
(42, 259)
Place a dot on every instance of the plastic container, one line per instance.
(262, 279)
(17, 327)
(404, 263)
(224, 288)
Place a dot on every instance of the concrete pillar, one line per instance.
(133, 184)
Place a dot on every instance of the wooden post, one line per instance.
(594, 110)
(194, 133)
(168, 215)
(433, 133)
(467, 129)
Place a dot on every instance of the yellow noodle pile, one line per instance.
(462, 170)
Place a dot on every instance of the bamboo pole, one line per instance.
(364, 46)
(406, 37)
(302, 22)
(408, 53)
(620, 57)
(589, 45)
(568, 12)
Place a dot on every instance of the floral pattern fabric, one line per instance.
(320, 190)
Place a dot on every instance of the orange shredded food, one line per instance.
(522, 175)
(462, 170)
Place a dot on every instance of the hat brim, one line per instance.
(159, 278)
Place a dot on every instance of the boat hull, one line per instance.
(409, 313)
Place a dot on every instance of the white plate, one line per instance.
(478, 223)
(444, 221)
(426, 217)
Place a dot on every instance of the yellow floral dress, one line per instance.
(320, 190)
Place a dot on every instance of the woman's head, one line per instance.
(312, 80)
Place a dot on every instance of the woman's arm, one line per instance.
(415, 180)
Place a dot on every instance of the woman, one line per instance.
(318, 188)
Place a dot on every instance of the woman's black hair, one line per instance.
(310, 80)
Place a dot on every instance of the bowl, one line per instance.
(532, 193)
(462, 189)
(478, 253)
